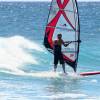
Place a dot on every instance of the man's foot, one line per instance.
(54, 70)
(65, 73)
(55, 67)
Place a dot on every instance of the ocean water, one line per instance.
(25, 65)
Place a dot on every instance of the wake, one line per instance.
(45, 74)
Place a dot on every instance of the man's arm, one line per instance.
(73, 41)
(54, 43)
(66, 43)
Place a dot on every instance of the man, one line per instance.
(58, 56)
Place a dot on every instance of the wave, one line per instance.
(15, 52)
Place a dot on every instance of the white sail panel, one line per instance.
(53, 10)
(69, 6)
(62, 1)
(65, 29)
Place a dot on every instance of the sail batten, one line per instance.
(62, 28)
(64, 18)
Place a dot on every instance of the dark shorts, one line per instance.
(58, 58)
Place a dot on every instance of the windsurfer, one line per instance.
(58, 56)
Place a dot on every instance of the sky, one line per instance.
(45, 0)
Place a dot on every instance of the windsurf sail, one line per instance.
(64, 18)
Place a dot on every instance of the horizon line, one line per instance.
(44, 1)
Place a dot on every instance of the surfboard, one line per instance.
(90, 73)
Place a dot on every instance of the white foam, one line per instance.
(65, 95)
(94, 81)
(5, 96)
(44, 74)
(74, 75)
(13, 53)
(93, 98)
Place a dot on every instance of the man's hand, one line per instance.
(79, 41)
(67, 43)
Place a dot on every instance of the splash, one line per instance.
(45, 74)
(14, 53)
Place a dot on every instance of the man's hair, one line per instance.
(59, 35)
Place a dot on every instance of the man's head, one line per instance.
(59, 36)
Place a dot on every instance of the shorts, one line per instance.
(58, 58)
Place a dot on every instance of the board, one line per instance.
(89, 73)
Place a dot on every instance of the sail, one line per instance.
(64, 19)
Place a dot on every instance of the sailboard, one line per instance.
(90, 73)
(63, 18)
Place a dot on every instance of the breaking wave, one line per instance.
(16, 51)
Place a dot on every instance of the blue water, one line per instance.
(26, 66)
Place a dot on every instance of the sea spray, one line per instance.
(14, 53)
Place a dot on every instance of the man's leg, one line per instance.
(55, 67)
(55, 62)
(62, 62)
(63, 66)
